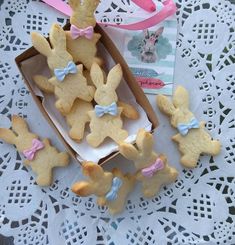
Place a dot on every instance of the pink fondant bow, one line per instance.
(76, 32)
(152, 169)
(36, 146)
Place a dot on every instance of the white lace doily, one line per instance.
(197, 209)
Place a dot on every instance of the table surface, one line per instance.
(197, 209)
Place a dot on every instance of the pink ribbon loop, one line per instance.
(152, 169)
(76, 32)
(169, 8)
(36, 146)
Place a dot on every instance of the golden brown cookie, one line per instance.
(153, 169)
(40, 155)
(192, 138)
(68, 80)
(77, 119)
(111, 189)
(106, 119)
(81, 39)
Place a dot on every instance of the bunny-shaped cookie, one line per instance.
(81, 39)
(77, 116)
(77, 119)
(40, 155)
(192, 138)
(69, 82)
(153, 170)
(106, 118)
(111, 189)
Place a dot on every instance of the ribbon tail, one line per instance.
(61, 6)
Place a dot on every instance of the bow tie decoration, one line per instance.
(110, 109)
(76, 32)
(152, 169)
(112, 194)
(36, 146)
(61, 73)
(184, 128)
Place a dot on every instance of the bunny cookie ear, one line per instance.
(74, 4)
(97, 75)
(40, 44)
(114, 76)
(57, 37)
(92, 170)
(165, 105)
(19, 125)
(145, 142)
(181, 97)
(83, 188)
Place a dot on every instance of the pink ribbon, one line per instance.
(36, 146)
(152, 169)
(147, 5)
(76, 32)
(168, 10)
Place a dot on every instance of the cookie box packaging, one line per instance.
(32, 63)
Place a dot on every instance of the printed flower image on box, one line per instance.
(151, 56)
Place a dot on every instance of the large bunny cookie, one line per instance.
(192, 138)
(69, 82)
(106, 118)
(81, 39)
(77, 119)
(40, 155)
(111, 189)
(153, 169)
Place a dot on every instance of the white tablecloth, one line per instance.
(197, 209)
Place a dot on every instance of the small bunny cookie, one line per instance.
(69, 82)
(192, 138)
(106, 118)
(77, 119)
(40, 155)
(81, 39)
(153, 170)
(111, 189)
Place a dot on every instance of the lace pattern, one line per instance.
(197, 209)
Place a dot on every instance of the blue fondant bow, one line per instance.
(112, 194)
(184, 128)
(110, 109)
(61, 73)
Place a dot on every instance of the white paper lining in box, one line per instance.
(37, 65)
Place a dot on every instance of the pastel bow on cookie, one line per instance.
(36, 146)
(152, 169)
(110, 109)
(76, 32)
(61, 73)
(112, 194)
(184, 128)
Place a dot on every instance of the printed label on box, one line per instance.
(150, 55)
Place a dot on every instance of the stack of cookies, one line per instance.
(84, 93)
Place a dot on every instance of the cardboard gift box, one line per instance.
(32, 63)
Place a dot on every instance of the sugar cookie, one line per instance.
(111, 188)
(193, 139)
(153, 169)
(40, 155)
